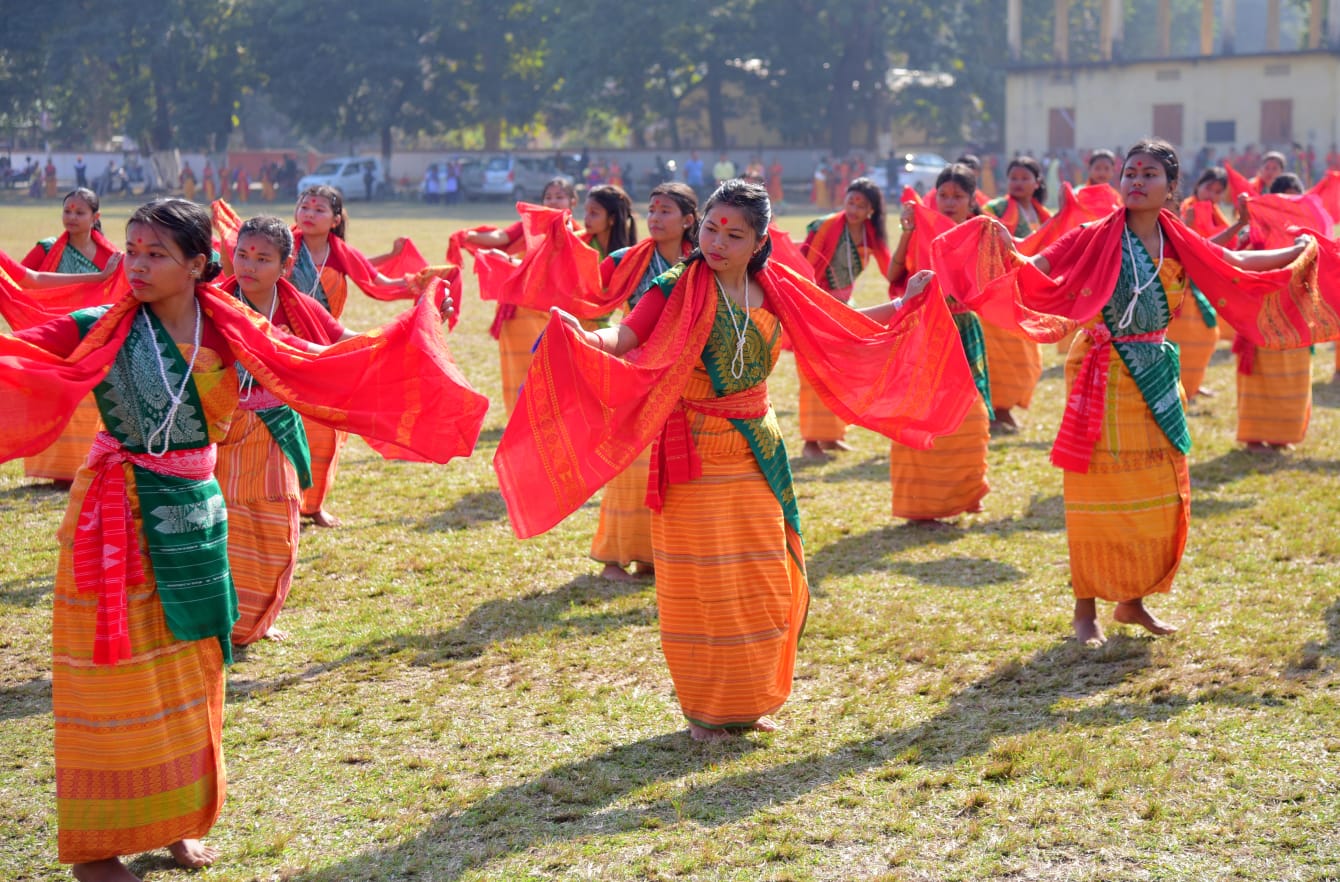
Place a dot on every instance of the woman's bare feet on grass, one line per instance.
(323, 518)
(193, 854)
(616, 573)
(1085, 622)
(702, 733)
(1133, 612)
(644, 570)
(275, 634)
(812, 450)
(835, 445)
(765, 724)
(109, 870)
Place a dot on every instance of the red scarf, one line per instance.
(1207, 218)
(398, 387)
(49, 261)
(1238, 185)
(1280, 309)
(820, 247)
(1077, 207)
(1012, 214)
(29, 307)
(584, 415)
(1277, 217)
(927, 224)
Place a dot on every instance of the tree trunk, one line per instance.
(386, 149)
(492, 134)
(716, 112)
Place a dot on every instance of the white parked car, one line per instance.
(919, 171)
(347, 174)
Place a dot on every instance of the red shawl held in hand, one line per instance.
(29, 307)
(1277, 217)
(398, 386)
(1279, 309)
(584, 415)
(820, 247)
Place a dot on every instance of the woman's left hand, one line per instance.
(918, 283)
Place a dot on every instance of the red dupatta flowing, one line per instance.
(1076, 208)
(1206, 216)
(29, 307)
(1277, 217)
(48, 260)
(559, 269)
(1238, 185)
(584, 415)
(398, 386)
(927, 224)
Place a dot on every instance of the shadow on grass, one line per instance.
(42, 492)
(26, 590)
(558, 611)
(479, 507)
(573, 801)
(1309, 658)
(25, 699)
(1238, 463)
(1326, 393)
(959, 572)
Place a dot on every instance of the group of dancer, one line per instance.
(181, 532)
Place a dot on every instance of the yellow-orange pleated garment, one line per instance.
(325, 444)
(1127, 517)
(261, 490)
(948, 479)
(62, 459)
(817, 422)
(516, 337)
(730, 578)
(1196, 343)
(623, 535)
(1014, 365)
(1275, 399)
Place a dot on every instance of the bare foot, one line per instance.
(702, 733)
(765, 724)
(109, 870)
(812, 450)
(1004, 423)
(1258, 447)
(193, 854)
(835, 445)
(616, 573)
(1205, 392)
(1085, 622)
(644, 570)
(1133, 612)
(1280, 447)
(275, 634)
(323, 518)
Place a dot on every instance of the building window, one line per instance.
(1168, 122)
(1277, 121)
(1222, 131)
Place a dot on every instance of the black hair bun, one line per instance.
(211, 271)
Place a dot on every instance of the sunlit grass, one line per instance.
(454, 704)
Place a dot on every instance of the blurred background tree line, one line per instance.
(209, 74)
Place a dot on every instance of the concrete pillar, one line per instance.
(1105, 30)
(1333, 24)
(1272, 25)
(1014, 28)
(1119, 24)
(1206, 27)
(1165, 28)
(1228, 26)
(1314, 24)
(1061, 31)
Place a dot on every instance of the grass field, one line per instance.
(453, 704)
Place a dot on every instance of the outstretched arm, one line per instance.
(884, 312)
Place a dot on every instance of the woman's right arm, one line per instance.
(488, 238)
(616, 341)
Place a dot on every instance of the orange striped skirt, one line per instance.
(325, 444)
(139, 756)
(949, 478)
(1275, 399)
(1127, 517)
(730, 585)
(261, 489)
(623, 535)
(515, 339)
(62, 459)
(1014, 365)
(817, 422)
(1196, 342)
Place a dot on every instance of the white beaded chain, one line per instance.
(319, 269)
(166, 428)
(250, 382)
(1129, 315)
(737, 361)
